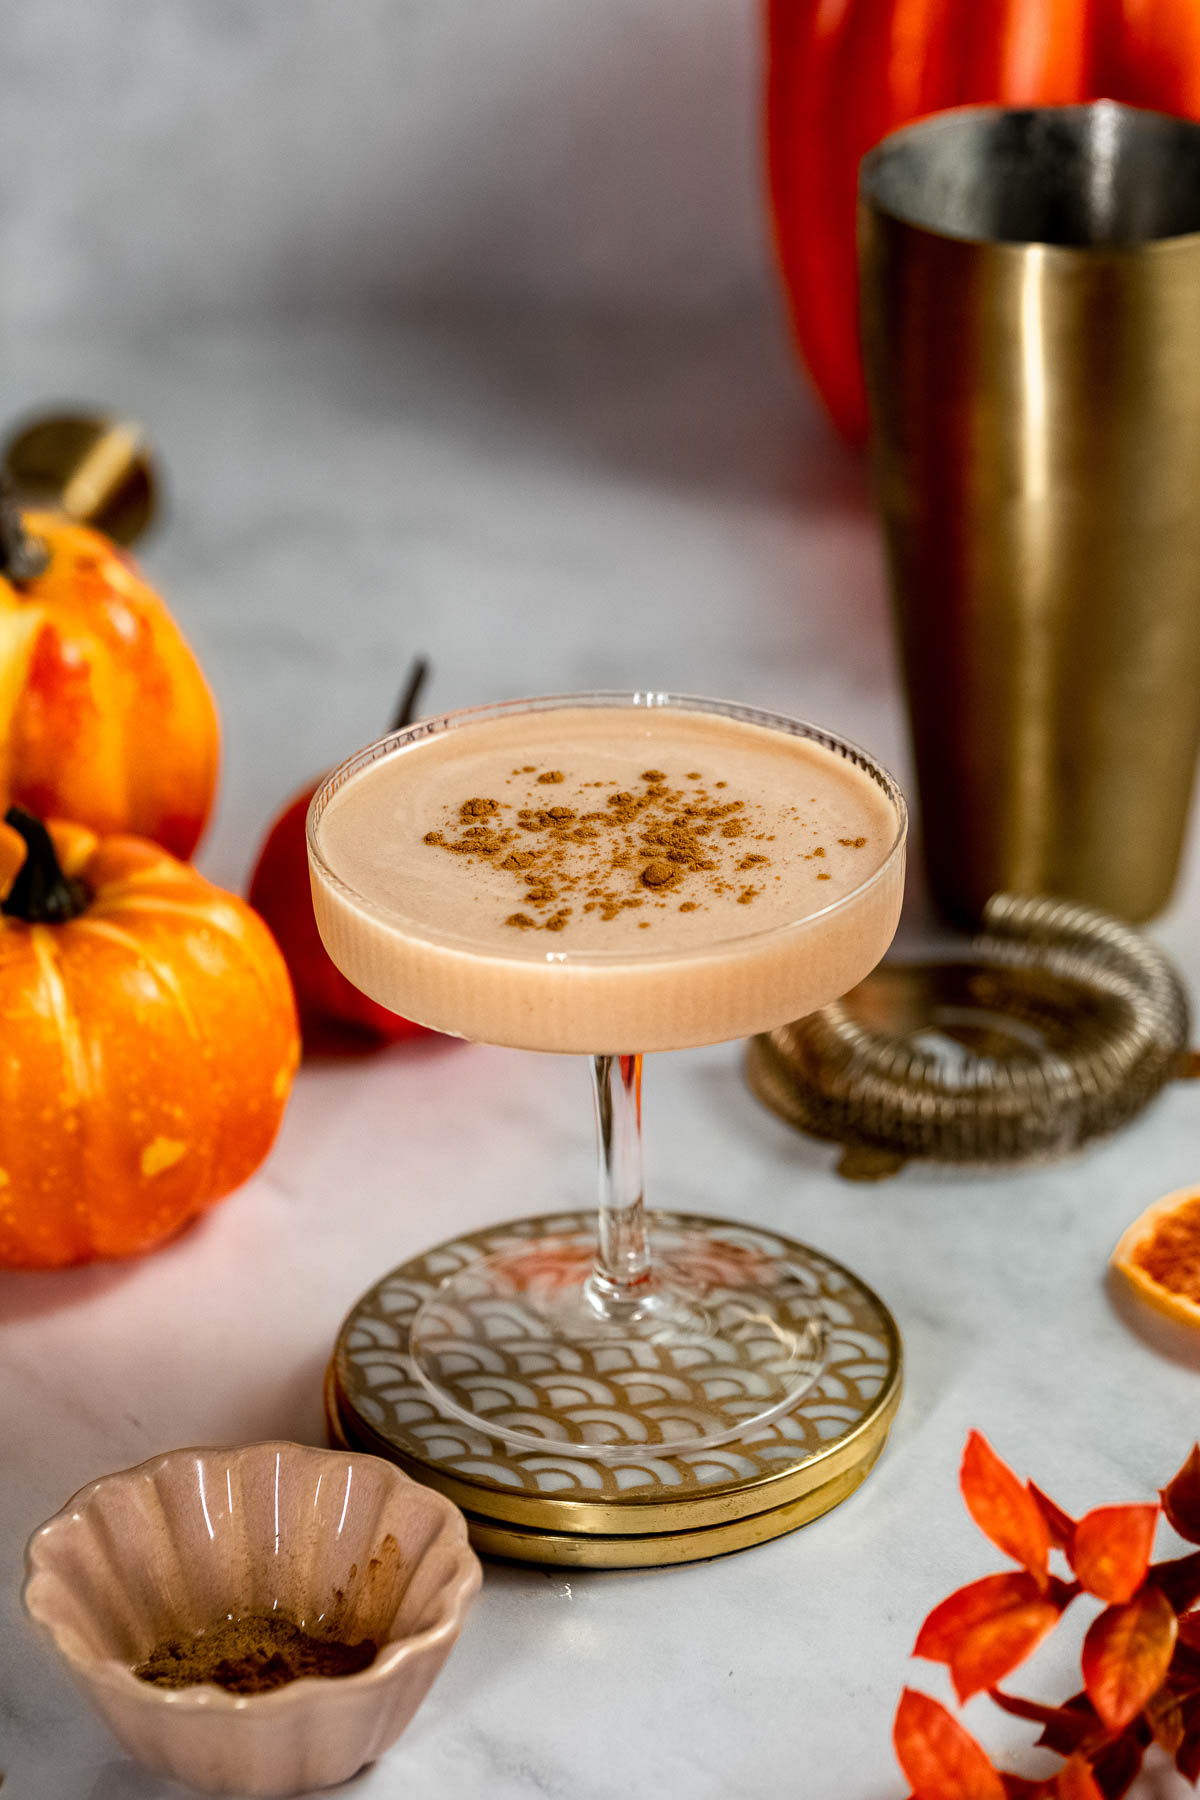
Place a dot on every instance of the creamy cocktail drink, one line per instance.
(601, 878)
(610, 874)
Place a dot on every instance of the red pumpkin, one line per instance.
(105, 717)
(280, 891)
(843, 73)
(147, 1045)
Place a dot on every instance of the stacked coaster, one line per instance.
(652, 1508)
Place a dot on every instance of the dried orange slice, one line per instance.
(1159, 1256)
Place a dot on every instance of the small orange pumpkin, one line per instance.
(105, 717)
(148, 1041)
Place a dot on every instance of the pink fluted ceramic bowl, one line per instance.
(344, 1543)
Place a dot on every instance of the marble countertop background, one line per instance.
(452, 321)
(546, 507)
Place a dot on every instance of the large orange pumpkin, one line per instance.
(105, 717)
(843, 73)
(148, 1041)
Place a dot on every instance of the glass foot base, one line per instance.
(525, 1346)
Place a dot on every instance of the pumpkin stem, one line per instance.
(42, 894)
(21, 556)
(406, 706)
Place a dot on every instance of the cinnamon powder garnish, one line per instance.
(651, 844)
(658, 874)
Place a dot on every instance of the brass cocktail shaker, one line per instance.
(1031, 328)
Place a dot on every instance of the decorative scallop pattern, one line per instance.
(378, 1389)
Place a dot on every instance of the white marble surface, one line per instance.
(544, 509)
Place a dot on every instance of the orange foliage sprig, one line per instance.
(1141, 1655)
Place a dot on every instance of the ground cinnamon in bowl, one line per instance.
(252, 1655)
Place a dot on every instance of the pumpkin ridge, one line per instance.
(41, 939)
(248, 928)
(121, 746)
(19, 630)
(116, 697)
(166, 980)
(236, 926)
(212, 911)
(199, 1146)
(77, 1084)
(168, 872)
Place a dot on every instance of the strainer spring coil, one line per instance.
(1067, 1021)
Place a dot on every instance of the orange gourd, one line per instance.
(105, 717)
(843, 73)
(148, 1041)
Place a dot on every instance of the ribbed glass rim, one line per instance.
(398, 742)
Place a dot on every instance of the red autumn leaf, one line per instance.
(1060, 1524)
(1164, 1715)
(1174, 1713)
(1110, 1550)
(1115, 1765)
(1076, 1781)
(1179, 1579)
(1063, 1727)
(1181, 1498)
(968, 1607)
(986, 1629)
(1004, 1511)
(939, 1758)
(1187, 1757)
(1126, 1654)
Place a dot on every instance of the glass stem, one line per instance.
(619, 1284)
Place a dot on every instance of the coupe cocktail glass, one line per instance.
(704, 1335)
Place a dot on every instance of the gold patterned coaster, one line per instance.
(834, 1433)
(657, 1549)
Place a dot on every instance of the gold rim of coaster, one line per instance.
(837, 1429)
(565, 1549)
(515, 1543)
(1061, 1026)
(843, 1477)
